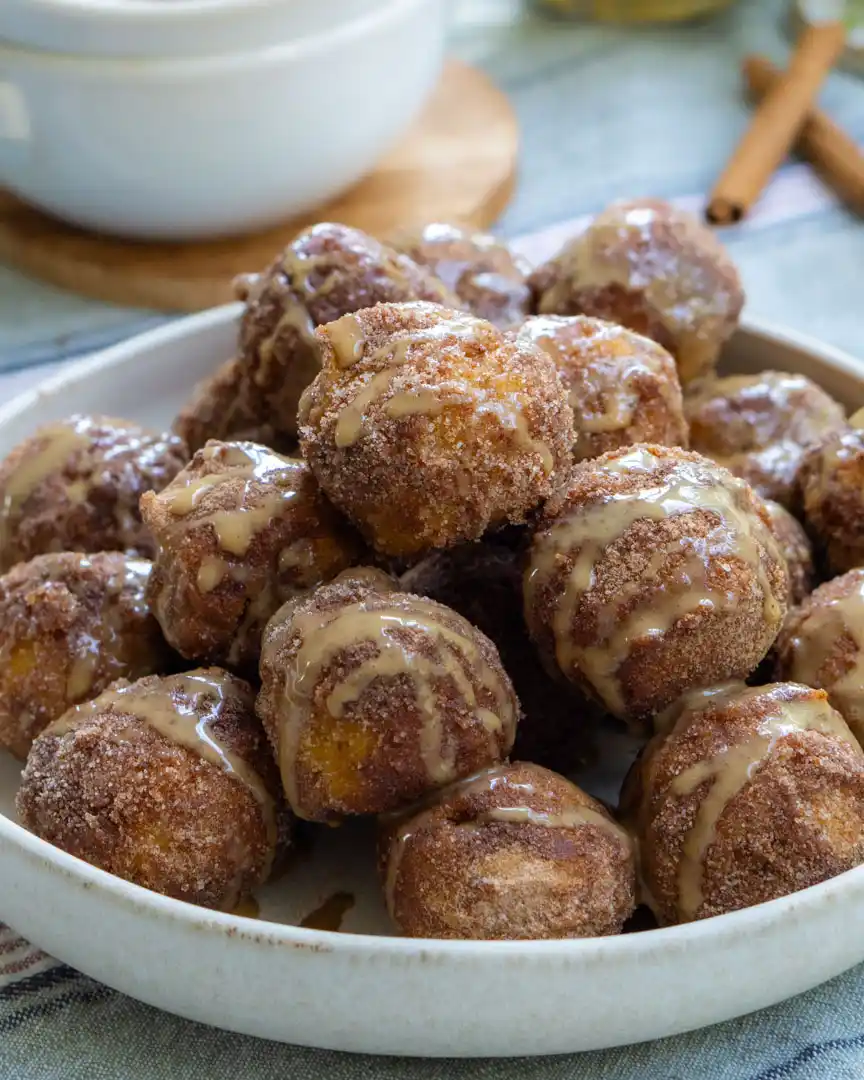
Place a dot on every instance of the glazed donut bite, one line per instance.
(372, 697)
(745, 795)
(487, 277)
(70, 624)
(652, 572)
(324, 273)
(759, 427)
(516, 852)
(623, 387)
(74, 486)
(654, 269)
(166, 782)
(238, 532)
(796, 549)
(428, 426)
(483, 582)
(821, 645)
(831, 481)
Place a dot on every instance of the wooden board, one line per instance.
(457, 163)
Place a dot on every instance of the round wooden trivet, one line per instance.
(457, 163)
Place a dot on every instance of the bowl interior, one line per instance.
(335, 882)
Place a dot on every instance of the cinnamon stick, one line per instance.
(776, 123)
(836, 157)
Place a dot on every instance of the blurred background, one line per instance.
(604, 111)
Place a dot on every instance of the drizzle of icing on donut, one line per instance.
(583, 534)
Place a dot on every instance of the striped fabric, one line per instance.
(19, 960)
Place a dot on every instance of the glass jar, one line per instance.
(632, 11)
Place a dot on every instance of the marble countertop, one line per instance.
(605, 113)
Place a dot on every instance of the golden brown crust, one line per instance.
(483, 582)
(759, 427)
(327, 271)
(427, 426)
(112, 789)
(796, 549)
(371, 697)
(821, 645)
(623, 388)
(831, 480)
(75, 485)
(654, 269)
(486, 276)
(791, 812)
(653, 571)
(238, 532)
(70, 624)
(469, 865)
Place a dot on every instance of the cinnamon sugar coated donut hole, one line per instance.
(238, 532)
(745, 795)
(759, 427)
(327, 271)
(372, 697)
(165, 782)
(654, 269)
(74, 485)
(623, 387)
(822, 645)
(653, 571)
(483, 582)
(428, 426)
(220, 409)
(489, 280)
(831, 481)
(516, 852)
(796, 549)
(70, 624)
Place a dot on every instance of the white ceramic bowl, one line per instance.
(208, 146)
(168, 27)
(381, 994)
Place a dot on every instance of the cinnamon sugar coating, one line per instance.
(759, 427)
(220, 408)
(831, 480)
(654, 269)
(428, 426)
(517, 852)
(483, 582)
(371, 697)
(745, 795)
(166, 782)
(327, 271)
(74, 485)
(653, 571)
(822, 645)
(796, 549)
(70, 624)
(487, 277)
(623, 387)
(238, 532)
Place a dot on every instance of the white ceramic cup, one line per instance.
(210, 146)
(162, 28)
